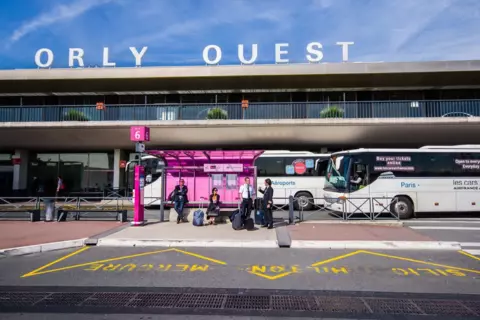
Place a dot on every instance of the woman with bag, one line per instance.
(213, 209)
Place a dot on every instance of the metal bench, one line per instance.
(94, 207)
(23, 205)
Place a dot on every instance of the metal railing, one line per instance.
(11, 207)
(234, 111)
(367, 208)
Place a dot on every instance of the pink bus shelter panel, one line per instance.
(180, 163)
(201, 187)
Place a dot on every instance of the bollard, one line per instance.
(291, 214)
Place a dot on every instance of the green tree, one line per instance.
(217, 114)
(332, 112)
(75, 115)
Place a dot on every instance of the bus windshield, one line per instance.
(337, 173)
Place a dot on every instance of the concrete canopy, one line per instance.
(437, 74)
(231, 134)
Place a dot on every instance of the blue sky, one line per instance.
(176, 31)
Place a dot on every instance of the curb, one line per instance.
(387, 223)
(186, 243)
(93, 240)
(378, 245)
(18, 251)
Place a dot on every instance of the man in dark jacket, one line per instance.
(268, 203)
(180, 197)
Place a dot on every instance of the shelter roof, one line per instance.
(172, 156)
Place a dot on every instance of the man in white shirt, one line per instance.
(246, 193)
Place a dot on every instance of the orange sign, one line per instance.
(100, 106)
(245, 104)
(123, 164)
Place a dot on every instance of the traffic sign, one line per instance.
(139, 133)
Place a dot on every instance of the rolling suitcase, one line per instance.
(198, 217)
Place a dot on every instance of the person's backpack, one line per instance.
(198, 217)
(249, 225)
(237, 220)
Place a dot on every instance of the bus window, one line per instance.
(322, 166)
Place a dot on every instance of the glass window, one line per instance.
(72, 170)
(270, 167)
(5, 156)
(100, 161)
(322, 167)
(154, 99)
(466, 164)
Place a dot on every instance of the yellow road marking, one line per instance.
(201, 257)
(393, 257)
(469, 255)
(266, 276)
(418, 261)
(39, 272)
(34, 272)
(316, 264)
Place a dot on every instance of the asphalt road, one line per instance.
(464, 230)
(395, 275)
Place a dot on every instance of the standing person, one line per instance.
(246, 193)
(60, 187)
(180, 198)
(267, 203)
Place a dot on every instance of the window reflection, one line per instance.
(81, 172)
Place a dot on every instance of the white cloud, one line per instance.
(56, 14)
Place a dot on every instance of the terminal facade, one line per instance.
(74, 123)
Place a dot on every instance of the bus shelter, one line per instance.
(203, 170)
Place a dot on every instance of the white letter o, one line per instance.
(38, 56)
(218, 54)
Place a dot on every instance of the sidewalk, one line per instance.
(185, 235)
(361, 236)
(32, 236)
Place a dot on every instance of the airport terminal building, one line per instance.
(75, 122)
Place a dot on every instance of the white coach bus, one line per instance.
(300, 174)
(429, 179)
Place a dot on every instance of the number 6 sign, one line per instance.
(139, 134)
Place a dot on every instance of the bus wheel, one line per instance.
(303, 201)
(403, 207)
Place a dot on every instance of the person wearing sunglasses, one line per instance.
(213, 209)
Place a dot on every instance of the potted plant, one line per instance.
(75, 115)
(332, 112)
(217, 114)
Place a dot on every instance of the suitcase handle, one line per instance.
(201, 201)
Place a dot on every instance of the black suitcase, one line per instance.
(249, 225)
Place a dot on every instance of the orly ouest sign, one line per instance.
(212, 55)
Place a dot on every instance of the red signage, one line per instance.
(123, 164)
(245, 104)
(300, 167)
(100, 106)
(16, 161)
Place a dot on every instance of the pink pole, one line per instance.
(138, 209)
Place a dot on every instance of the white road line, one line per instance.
(444, 228)
(441, 221)
(469, 244)
(473, 252)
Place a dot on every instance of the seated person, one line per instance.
(213, 209)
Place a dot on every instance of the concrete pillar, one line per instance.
(118, 173)
(20, 170)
